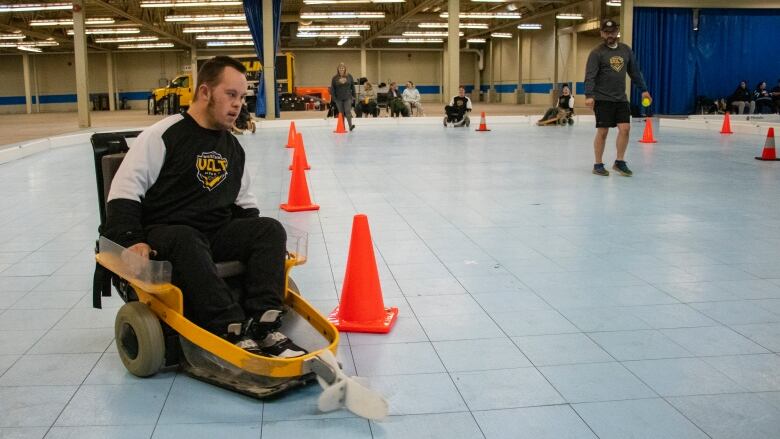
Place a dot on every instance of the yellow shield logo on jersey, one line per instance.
(212, 169)
(617, 63)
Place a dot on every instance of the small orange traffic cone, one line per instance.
(647, 137)
(482, 124)
(340, 125)
(726, 128)
(298, 199)
(768, 154)
(361, 308)
(299, 153)
(291, 136)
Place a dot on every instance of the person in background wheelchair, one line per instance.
(244, 121)
(563, 113)
(183, 194)
(458, 109)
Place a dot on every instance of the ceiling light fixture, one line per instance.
(126, 39)
(215, 29)
(348, 2)
(476, 40)
(415, 40)
(29, 49)
(568, 16)
(428, 34)
(188, 3)
(343, 34)
(341, 15)
(617, 3)
(529, 26)
(146, 46)
(109, 31)
(331, 27)
(461, 25)
(342, 41)
(489, 1)
(12, 36)
(229, 43)
(224, 37)
(26, 7)
(205, 17)
(501, 35)
(485, 15)
(69, 22)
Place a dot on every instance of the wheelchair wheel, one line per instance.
(139, 339)
(151, 106)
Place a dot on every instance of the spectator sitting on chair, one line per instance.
(367, 101)
(776, 96)
(412, 98)
(457, 109)
(183, 194)
(763, 99)
(395, 102)
(742, 98)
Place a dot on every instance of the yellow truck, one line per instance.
(177, 95)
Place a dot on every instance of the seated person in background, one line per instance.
(366, 104)
(243, 121)
(563, 112)
(776, 96)
(457, 109)
(763, 99)
(183, 194)
(395, 101)
(741, 98)
(412, 99)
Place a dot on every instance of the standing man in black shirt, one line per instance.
(183, 194)
(605, 92)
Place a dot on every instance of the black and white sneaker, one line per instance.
(238, 337)
(265, 332)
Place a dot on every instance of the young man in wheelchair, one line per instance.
(183, 194)
(458, 109)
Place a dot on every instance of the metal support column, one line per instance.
(27, 87)
(269, 60)
(453, 46)
(80, 51)
(111, 88)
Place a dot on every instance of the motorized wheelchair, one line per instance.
(152, 332)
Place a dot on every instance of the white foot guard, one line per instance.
(339, 390)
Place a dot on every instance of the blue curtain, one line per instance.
(254, 18)
(737, 44)
(664, 47)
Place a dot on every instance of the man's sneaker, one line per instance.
(237, 336)
(445, 122)
(598, 169)
(265, 332)
(622, 168)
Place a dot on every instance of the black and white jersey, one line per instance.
(177, 172)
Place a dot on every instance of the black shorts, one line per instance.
(609, 114)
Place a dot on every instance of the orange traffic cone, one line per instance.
(340, 125)
(726, 128)
(291, 136)
(647, 137)
(298, 199)
(482, 124)
(361, 308)
(300, 153)
(769, 147)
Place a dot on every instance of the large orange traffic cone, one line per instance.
(482, 124)
(361, 308)
(300, 153)
(647, 137)
(340, 125)
(298, 199)
(726, 128)
(291, 136)
(768, 154)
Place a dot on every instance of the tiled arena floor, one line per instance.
(536, 299)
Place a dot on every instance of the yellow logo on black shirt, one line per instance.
(617, 63)
(212, 169)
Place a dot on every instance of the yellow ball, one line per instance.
(646, 102)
